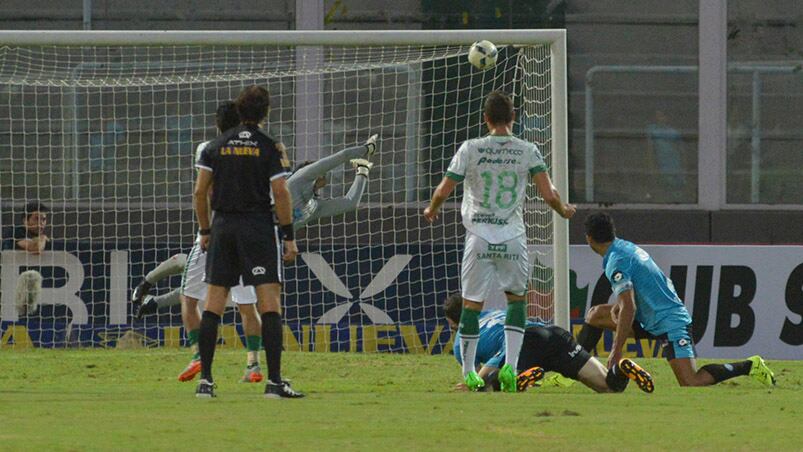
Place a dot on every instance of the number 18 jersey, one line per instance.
(496, 170)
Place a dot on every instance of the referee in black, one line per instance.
(242, 170)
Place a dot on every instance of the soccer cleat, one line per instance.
(636, 373)
(253, 374)
(205, 389)
(140, 292)
(558, 380)
(192, 369)
(529, 378)
(507, 378)
(761, 372)
(362, 166)
(473, 381)
(370, 145)
(281, 390)
(149, 306)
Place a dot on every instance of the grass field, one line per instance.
(110, 399)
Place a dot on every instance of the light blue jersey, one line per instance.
(491, 346)
(658, 307)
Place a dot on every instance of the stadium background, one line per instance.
(704, 209)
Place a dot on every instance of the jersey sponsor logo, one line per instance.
(488, 219)
(244, 135)
(500, 161)
(240, 151)
(258, 271)
(617, 276)
(499, 151)
(501, 248)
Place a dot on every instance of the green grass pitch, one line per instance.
(126, 400)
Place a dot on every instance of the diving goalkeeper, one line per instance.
(305, 183)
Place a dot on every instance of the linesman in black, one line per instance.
(244, 170)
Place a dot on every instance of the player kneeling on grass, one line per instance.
(545, 348)
(646, 295)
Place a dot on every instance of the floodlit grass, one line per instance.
(112, 399)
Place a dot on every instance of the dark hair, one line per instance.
(499, 108)
(34, 206)
(226, 116)
(253, 103)
(453, 307)
(600, 227)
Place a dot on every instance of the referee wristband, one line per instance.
(206, 231)
(287, 232)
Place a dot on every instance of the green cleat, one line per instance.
(760, 371)
(473, 381)
(507, 378)
(557, 380)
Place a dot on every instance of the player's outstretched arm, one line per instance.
(552, 196)
(440, 195)
(626, 308)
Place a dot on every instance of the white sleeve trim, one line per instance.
(276, 176)
(198, 165)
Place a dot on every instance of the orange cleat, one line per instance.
(635, 372)
(193, 368)
(529, 378)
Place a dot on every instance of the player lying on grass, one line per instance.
(545, 348)
(304, 184)
(497, 169)
(646, 295)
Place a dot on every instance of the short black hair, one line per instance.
(226, 116)
(253, 104)
(34, 206)
(600, 227)
(499, 108)
(453, 307)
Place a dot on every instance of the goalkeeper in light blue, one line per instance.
(497, 169)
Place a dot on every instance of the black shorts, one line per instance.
(553, 349)
(243, 244)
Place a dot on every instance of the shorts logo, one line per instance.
(574, 352)
(501, 248)
(683, 342)
(258, 271)
(244, 135)
(617, 276)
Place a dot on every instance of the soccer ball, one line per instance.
(482, 55)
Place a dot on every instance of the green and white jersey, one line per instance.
(496, 170)
(198, 151)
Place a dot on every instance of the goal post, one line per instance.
(101, 127)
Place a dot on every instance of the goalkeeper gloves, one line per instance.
(362, 166)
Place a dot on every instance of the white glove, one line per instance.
(362, 166)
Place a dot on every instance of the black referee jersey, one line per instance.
(243, 161)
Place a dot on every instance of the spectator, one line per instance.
(30, 235)
(664, 147)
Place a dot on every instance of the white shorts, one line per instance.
(487, 265)
(193, 285)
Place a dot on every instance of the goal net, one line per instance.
(103, 134)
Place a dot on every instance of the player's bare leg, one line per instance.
(252, 327)
(191, 316)
(687, 374)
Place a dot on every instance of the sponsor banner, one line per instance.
(429, 338)
(744, 300)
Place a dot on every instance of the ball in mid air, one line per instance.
(482, 55)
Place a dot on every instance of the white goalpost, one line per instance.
(101, 127)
